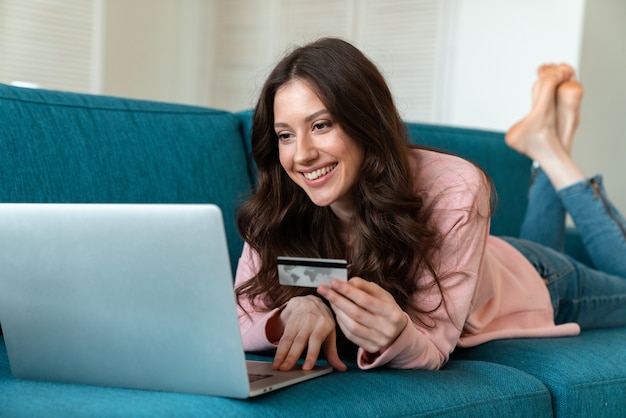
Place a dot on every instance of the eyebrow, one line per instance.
(315, 115)
(308, 119)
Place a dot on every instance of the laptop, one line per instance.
(126, 295)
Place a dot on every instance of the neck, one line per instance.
(344, 211)
(347, 235)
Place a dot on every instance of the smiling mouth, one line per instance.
(313, 175)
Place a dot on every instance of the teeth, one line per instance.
(319, 173)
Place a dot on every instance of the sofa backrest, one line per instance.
(68, 147)
(65, 147)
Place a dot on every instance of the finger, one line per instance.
(312, 354)
(369, 330)
(289, 351)
(361, 292)
(281, 354)
(319, 338)
(367, 295)
(342, 303)
(363, 336)
(354, 320)
(332, 355)
(337, 294)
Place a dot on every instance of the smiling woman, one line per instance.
(338, 180)
(334, 163)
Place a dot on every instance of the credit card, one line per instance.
(310, 272)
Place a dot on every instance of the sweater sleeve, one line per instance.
(461, 199)
(252, 320)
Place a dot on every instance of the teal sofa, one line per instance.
(66, 147)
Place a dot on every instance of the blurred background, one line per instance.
(467, 63)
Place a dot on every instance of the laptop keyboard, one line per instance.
(255, 377)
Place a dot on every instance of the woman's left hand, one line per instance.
(367, 314)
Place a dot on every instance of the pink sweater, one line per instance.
(492, 291)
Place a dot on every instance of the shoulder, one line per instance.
(440, 170)
(445, 179)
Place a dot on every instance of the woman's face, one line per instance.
(314, 150)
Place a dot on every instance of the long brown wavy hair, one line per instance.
(393, 236)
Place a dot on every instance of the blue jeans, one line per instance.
(593, 296)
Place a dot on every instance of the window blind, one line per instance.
(403, 37)
(49, 43)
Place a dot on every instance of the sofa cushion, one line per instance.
(461, 389)
(67, 147)
(586, 374)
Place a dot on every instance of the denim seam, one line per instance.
(576, 304)
(607, 207)
(579, 186)
(596, 298)
(595, 183)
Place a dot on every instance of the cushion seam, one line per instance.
(197, 112)
(526, 395)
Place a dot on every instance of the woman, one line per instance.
(336, 179)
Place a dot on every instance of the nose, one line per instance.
(306, 151)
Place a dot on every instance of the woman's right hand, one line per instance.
(306, 324)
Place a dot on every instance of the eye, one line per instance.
(322, 125)
(284, 136)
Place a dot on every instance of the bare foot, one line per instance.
(569, 96)
(536, 134)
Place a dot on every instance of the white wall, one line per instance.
(601, 142)
(158, 49)
(495, 48)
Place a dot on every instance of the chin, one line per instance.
(321, 202)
